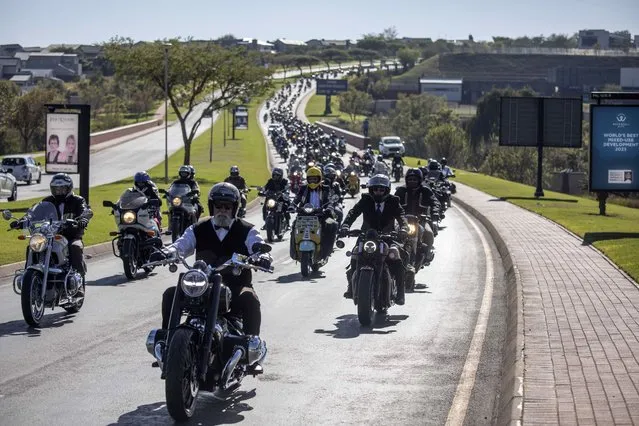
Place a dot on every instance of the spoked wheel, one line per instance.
(32, 297)
(182, 385)
(365, 297)
(79, 299)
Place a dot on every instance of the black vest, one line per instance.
(210, 249)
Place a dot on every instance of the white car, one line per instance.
(23, 167)
(391, 145)
(8, 185)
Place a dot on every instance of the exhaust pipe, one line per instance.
(227, 372)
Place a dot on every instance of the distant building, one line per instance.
(65, 66)
(328, 43)
(602, 39)
(9, 67)
(451, 90)
(256, 45)
(10, 49)
(283, 44)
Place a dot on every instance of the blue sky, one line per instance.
(43, 22)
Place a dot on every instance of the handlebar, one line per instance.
(236, 261)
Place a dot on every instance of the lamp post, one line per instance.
(166, 112)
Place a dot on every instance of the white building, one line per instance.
(451, 90)
(603, 39)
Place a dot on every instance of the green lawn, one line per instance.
(247, 151)
(315, 110)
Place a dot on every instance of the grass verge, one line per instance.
(315, 111)
(247, 151)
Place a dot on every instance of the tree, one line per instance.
(227, 40)
(142, 97)
(93, 94)
(333, 55)
(370, 42)
(407, 57)
(28, 114)
(446, 140)
(284, 61)
(196, 70)
(389, 33)
(354, 102)
(9, 92)
(471, 38)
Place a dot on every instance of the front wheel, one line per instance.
(270, 232)
(305, 263)
(409, 281)
(32, 297)
(176, 229)
(365, 297)
(129, 258)
(182, 384)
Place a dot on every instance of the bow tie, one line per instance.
(221, 227)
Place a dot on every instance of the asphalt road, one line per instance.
(322, 367)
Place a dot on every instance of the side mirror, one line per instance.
(6, 214)
(89, 214)
(262, 248)
(363, 185)
(154, 203)
(340, 244)
(38, 163)
(107, 203)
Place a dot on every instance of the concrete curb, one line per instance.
(510, 411)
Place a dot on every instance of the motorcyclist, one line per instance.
(214, 239)
(69, 206)
(380, 167)
(380, 210)
(238, 181)
(336, 184)
(448, 172)
(319, 196)
(416, 199)
(186, 176)
(143, 183)
(278, 183)
(397, 159)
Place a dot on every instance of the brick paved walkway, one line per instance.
(580, 321)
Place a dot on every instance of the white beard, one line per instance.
(222, 220)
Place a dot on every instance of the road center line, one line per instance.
(466, 383)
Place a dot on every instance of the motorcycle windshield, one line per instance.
(179, 190)
(132, 199)
(43, 211)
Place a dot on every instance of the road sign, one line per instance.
(331, 87)
(518, 122)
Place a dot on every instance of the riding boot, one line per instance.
(399, 282)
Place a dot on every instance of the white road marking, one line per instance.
(466, 383)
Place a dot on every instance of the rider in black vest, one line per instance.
(214, 240)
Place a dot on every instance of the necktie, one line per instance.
(379, 209)
(221, 227)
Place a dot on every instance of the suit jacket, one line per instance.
(418, 200)
(385, 222)
(304, 194)
(74, 207)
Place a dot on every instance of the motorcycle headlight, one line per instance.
(270, 203)
(370, 247)
(308, 209)
(128, 217)
(411, 229)
(339, 173)
(177, 201)
(38, 243)
(194, 283)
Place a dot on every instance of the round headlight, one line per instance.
(339, 173)
(411, 229)
(270, 203)
(352, 173)
(194, 283)
(308, 209)
(128, 217)
(370, 247)
(177, 201)
(38, 243)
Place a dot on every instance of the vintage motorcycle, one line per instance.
(306, 239)
(183, 210)
(275, 204)
(419, 255)
(373, 285)
(204, 348)
(138, 234)
(48, 279)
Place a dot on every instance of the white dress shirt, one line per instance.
(185, 245)
(381, 206)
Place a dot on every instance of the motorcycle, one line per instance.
(183, 208)
(306, 239)
(295, 179)
(418, 255)
(242, 210)
(352, 184)
(207, 350)
(48, 280)
(138, 234)
(398, 172)
(275, 204)
(341, 148)
(373, 285)
(367, 166)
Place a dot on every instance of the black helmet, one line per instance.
(330, 172)
(225, 192)
(141, 180)
(411, 173)
(185, 172)
(235, 171)
(434, 165)
(380, 158)
(192, 172)
(444, 161)
(61, 186)
(379, 181)
(277, 173)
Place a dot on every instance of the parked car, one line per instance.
(23, 167)
(8, 185)
(391, 145)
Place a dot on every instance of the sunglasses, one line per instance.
(223, 206)
(379, 189)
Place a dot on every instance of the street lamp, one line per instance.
(166, 111)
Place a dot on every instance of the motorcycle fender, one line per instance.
(128, 237)
(307, 246)
(39, 267)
